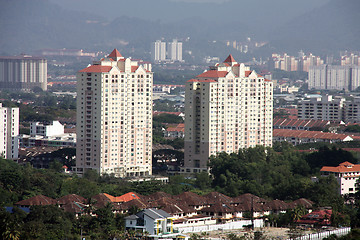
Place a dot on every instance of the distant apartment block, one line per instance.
(23, 72)
(114, 117)
(47, 135)
(292, 63)
(66, 53)
(227, 108)
(158, 51)
(334, 77)
(9, 132)
(330, 108)
(174, 50)
(46, 130)
(350, 59)
(166, 51)
(324, 108)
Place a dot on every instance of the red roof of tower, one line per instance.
(115, 54)
(229, 59)
(97, 68)
(213, 74)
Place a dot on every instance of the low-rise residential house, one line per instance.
(347, 175)
(39, 200)
(299, 136)
(219, 211)
(192, 199)
(316, 218)
(175, 131)
(278, 206)
(155, 221)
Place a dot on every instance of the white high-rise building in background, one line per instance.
(334, 77)
(9, 132)
(174, 50)
(158, 51)
(170, 51)
(227, 108)
(23, 72)
(114, 117)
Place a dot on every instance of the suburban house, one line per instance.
(316, 218)
(176, 131)
(154, 221)
(346, 174)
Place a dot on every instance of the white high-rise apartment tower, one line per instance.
(9, 132)
(23, 72)
(114, 117)
(158, 51)
(174, 50)
(227, 108)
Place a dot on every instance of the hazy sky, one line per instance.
(169, 10)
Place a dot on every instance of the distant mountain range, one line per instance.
(27, 25)
(334, 26)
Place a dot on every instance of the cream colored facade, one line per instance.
(114, 117)
(226, 108)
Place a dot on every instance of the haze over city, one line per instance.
(180, 119)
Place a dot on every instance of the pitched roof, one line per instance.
(302, 202)
(155, 213)
(178, 128)
(309, 134)
(73, 207)
(229, 59)
(213, 74)
(191, 199)
(342, 168)
(115, 54)
(214, 197)
(134, 203)
(219, 208)
(308, 123)
(101, 199)
(247, 73)
(71, 198)
(248, 197)
(37, 200)
(277, 205)
(134, 68)
(97, 69)
(198, 80)
(127, 197)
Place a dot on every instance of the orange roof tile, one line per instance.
(213, 74)
(96, 68)
(342, 168)
(127, 197)
(247, 73)
(115, 54)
